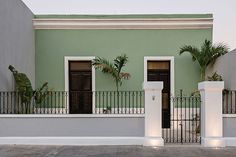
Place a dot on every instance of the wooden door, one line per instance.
(80, 87)
(160, 71)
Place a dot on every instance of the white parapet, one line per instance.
(211, 113)
(153, 113)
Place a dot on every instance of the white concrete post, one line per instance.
(211, 113)
(153, 113)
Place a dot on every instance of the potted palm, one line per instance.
(113, 68)
(206, 55)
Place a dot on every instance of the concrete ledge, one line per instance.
(71, 115)
(153, 141)
(229, 115)
(213, 142)
(71, 140)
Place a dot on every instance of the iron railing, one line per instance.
(185, 117)
(61, 102)
(229, 102)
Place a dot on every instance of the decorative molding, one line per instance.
(72, 140)
(72, 116)
(124, 23)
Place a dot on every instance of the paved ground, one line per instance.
(113, 151)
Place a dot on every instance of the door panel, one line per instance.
(80, 88)
(161, 72)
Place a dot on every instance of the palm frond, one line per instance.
(114, 69)
(206, 55)
(120, 61)
(125, 76)
(190, 49)
(103, 64)
(217, 51)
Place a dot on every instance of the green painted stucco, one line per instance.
(53, 45)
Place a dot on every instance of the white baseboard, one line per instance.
(230, 141)
(153, 141)
(213, 142)
(72, 140)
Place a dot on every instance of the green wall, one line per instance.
(53, 45)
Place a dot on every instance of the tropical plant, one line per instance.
(24, 87)
(206, 55)
(215, 77)
(113, 68)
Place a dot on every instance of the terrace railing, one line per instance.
(60, 102)
(229, 102)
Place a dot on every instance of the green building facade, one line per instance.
(137, 36)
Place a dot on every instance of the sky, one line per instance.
(224, 11)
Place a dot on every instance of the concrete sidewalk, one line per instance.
(113, 151)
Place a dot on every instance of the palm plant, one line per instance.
(206, 55)
(113, 68)
(215, 77)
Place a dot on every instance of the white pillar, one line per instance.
(211, 113)
(153, 113)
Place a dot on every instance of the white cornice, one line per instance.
(124, 23)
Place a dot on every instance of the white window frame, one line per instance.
(66, 70)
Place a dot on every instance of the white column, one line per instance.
(153, 113)
(211, 113)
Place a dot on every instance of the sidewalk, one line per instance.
(114, 151)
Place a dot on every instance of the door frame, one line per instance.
(66, 70)
(172, 70)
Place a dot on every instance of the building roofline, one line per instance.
(119, 22)
(123, 16)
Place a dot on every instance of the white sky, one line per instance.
(224, 11)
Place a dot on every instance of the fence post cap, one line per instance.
(154, 85)
(211, 85)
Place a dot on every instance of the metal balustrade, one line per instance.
(63, 102)
(229, 102)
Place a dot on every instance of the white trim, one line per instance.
(72, 140)
(172, 70)
(124, 23)
(72, 116)
(153, 141)
(213, 142)
(229, 115)
(66, 68)
(230, 141)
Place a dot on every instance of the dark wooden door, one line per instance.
(163, 74)
(80, 88)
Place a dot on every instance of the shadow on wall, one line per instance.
(225, 66)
